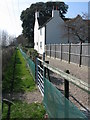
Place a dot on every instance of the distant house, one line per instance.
(52, 32)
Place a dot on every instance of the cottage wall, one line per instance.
(41, 44)
(55, 31)
(36, 35)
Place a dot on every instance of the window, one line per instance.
(41, 31)
(37, 43)
(40, 44)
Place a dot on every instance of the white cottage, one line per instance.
(52, 32)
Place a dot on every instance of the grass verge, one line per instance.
(23, 80)
(24, 110)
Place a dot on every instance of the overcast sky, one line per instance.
(10, 11)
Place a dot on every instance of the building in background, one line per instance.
(56, 30)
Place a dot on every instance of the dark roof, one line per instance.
(65, 19)
(45, 22)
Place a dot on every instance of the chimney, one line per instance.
(55, 13)
(36, 15)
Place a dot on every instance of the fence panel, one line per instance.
(53, 50)
(48, 50)
(58, 51)
(65, 52)
(75, 53)
(85, 54)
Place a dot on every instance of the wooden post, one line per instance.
(66, 86)
(48, 75)
(69, 53)
(80, 62)
(44, 56)
(55, 50)
(61, 51)
(50, 50)
(44, 72)
(36, 70)
(44, 69)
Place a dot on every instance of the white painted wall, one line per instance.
(42, 40)
(36, 33)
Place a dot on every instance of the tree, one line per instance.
(27, 16)
(85, 15)
(77, 29)
(22, 40)
(4, 38)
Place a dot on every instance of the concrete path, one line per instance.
(75, 70)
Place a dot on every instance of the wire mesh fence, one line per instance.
(57, 105)
(31, 64)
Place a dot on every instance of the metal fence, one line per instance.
(75, 53)
(57, 104)
(30, 63)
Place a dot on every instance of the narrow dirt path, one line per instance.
(29, 97)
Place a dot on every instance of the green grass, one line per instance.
(23, 80)
(24, 110)
(23, 83)
(7, 75)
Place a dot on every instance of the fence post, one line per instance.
(44, 56)
(48, 71)
(50, 50)
(37, 70)
(66, 86)
(45, 49)
(80, 62)
(61, 51)
(44, 69)
(55, 50)
(69, 52)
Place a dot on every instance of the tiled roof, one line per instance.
(67, 20)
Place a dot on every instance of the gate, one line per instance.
(57, 104)
(39, 76)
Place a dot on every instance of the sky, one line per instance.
(10, 11)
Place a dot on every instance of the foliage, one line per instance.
(22, 40)
(7, 53)
(31, 53)
(23, 79)
(24, 110)
(6, 39)
(27, 16)
(78, 28)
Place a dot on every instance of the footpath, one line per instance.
(76, 71)
(79, 72)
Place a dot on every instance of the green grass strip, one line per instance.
(24, 110)
(23, 80)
